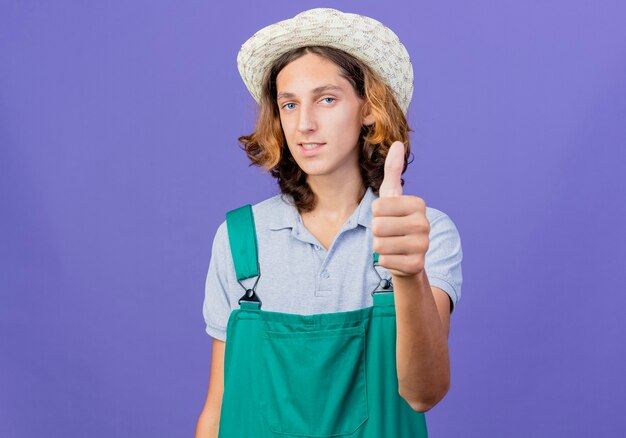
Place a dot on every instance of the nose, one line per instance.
(306, 122)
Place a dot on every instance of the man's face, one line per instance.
(318, 105)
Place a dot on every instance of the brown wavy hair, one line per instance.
(266, 146)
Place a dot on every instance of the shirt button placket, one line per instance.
(324, 288)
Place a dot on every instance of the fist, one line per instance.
(399, 223)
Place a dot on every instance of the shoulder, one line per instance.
(439, 220)
(265, 206)
(444, 237)
(260, 209)
(275, 212)
(265, 213)
(268, 205)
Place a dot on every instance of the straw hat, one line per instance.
(363, 37)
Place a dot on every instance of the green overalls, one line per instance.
(324, 375)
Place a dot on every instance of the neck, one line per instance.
(336, 201)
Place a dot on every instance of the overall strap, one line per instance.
(244, 249)
(243, 243)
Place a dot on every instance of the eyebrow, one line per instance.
(317, 90)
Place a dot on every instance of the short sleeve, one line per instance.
(444, 256)
(217, 307)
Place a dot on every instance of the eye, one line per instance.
(332, 98)
(290, 103)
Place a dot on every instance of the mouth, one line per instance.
(308, 148)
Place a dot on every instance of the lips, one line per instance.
(311, 151)
(311, 143)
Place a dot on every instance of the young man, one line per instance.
(333, 90)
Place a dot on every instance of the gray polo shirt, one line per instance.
(298, 275)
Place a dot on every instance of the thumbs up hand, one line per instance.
(399, 223)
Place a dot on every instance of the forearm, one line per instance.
(422, 358)
(207, 427)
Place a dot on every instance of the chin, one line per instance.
(316, 172)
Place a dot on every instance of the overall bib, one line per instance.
(324, 375)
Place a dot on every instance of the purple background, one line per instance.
(119, 159)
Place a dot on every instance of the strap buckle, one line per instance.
(385, 285)
(250, 294)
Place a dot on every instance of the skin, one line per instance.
(333, 117)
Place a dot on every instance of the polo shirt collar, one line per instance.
(285, 215)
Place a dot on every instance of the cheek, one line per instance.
(288, 130)
(348, 129)
(285, 125)
(341, 124)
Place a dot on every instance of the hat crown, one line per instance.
(363, 37)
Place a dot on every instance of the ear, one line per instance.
(367, 118)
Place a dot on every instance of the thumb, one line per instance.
(394, 163)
